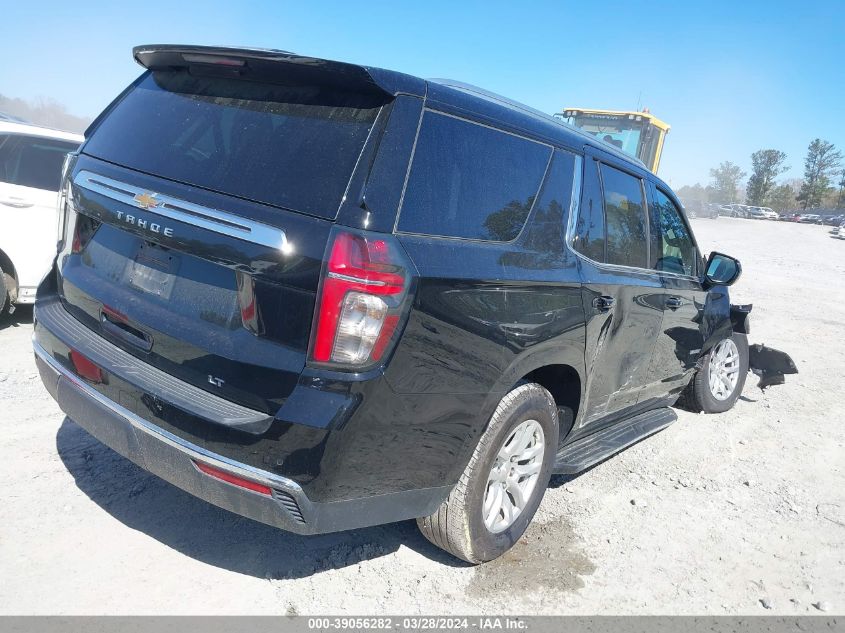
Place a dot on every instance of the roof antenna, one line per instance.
(639, 100)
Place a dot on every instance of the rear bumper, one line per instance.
(174, 459)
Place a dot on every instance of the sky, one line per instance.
(729, 77)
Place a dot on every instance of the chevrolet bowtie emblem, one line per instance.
(146, 200)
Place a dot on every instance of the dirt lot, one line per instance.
(731, 513)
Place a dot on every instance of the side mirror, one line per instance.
(721, 270)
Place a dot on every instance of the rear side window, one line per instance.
(33, 161)
(672, 248)
(625, 218)
(545, 232)
(289, 146)
(589, 230)
(471, 181)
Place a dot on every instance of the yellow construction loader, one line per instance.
(639, 134)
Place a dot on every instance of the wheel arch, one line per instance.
(739, 318)
(564, 383)
(558, 367)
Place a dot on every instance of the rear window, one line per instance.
(288, 146)
(33, 161)
(471, 181)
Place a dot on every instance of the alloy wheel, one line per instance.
(514, 476)
(723, 370)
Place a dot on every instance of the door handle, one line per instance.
(603, 303)
(17, 203)
(673, 303)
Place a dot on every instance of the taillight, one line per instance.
(362, 296)
(83, 230)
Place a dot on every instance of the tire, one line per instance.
(699, 396)
(458, 526)
(5, 301)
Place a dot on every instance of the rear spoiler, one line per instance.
(260, 62)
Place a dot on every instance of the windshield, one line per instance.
(288, 146)
(637, 138)
(611, 128)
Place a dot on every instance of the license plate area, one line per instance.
(153, 270)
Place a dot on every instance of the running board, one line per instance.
(590, 450)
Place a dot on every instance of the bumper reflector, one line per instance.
(85, 368)
(229, 478)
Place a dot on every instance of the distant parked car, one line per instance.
(698, 209)
(691, 208)
(761, 213)
(789, 216)
(708, 210)
(834, 220)
(810, 218)
(30, 171)
(734, 210)
(737, 211)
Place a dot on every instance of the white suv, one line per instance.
(30, 170)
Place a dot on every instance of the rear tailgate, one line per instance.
(200, 209)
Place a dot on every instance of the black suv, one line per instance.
(327, 296)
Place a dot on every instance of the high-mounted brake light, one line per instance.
(362, 295)
(217, 60)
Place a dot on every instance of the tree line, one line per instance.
(44, 111)
(823, 185)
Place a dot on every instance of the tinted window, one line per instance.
(32, 161)
(625, 218)
(589, 230)
(471, 181)
(672, 246)
(289, 146)
(543, 239)
(547, 228)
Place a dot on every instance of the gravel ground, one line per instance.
(742, 512)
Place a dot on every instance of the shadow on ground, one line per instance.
(144, 502)
(21, 317)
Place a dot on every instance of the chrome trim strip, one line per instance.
(575, 201)
(357, 280)
(184, 211)
(191, 450)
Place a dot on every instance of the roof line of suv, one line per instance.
(168, 56)
(517, 106)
